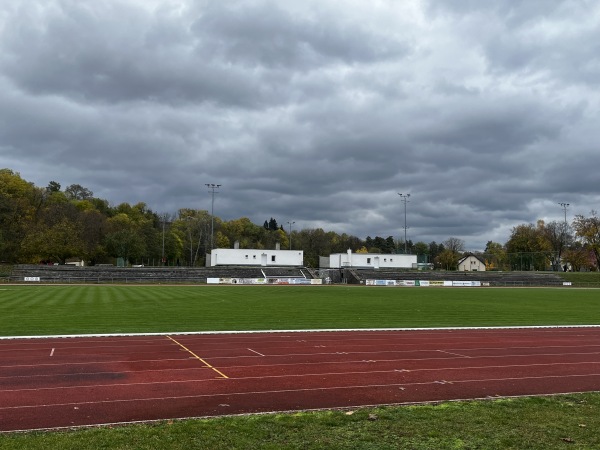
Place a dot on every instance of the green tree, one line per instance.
(57, 242)
(421, 248)
(194, 229)
(78, 192)
(125, 243)
(435, 249)
(315, 243)
(53, 186)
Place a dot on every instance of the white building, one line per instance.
(367, 261)
(255, 257)
(471, 263)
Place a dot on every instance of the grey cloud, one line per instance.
(268, 34)
(305, 111)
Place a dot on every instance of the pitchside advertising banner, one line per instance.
(425, 283)
(262, 281)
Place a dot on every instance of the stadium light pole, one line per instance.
(212, 190)
(290, 224)
(405, 201)
(564, 206)
(564, 232)
(164, 218)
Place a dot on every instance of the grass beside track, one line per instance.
(566, 421)
(58, 310)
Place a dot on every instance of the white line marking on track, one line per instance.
(281, 391)
(254, 351)
(318, 374)
(455, 354)
(317, 330)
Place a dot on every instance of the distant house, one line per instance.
(471, 263)
(254, 257)
(367, 261)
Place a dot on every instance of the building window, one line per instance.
(253, 256)
(368, 260)
(246, 256)
(272, 258)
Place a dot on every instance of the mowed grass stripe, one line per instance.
(51, 310)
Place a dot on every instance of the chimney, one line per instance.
(277, 246)
(236, 245)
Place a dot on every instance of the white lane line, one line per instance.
(324, 374)
(254, 351)
(317, 330)
(280, 391)
(454, 354)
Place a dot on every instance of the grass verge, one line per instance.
(566, 421)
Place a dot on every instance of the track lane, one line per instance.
(111, 380)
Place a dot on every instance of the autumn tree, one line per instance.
(528, 247)
(578, 257)
(19, 204)
(588, 229)
(559, 236)
(448, 259)
(495, 256)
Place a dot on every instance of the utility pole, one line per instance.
(290, 224)
(212, 188)
(405, 201)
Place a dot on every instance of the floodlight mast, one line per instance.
(564, 232)
(565, 206)
(212, 188)
(405, 201)
(290, 224)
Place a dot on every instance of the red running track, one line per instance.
(65, 382)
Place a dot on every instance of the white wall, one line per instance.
(470, 264)
(254, 257)
(372, 260)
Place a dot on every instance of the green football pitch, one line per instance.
(27, 310)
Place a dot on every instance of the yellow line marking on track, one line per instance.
(198, 358)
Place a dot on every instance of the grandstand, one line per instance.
(199, 275)
(529, 278)
(111, 274)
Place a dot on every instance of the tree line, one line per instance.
(53, 225)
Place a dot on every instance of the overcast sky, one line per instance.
(318, 112)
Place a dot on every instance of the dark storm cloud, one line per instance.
(313, 112)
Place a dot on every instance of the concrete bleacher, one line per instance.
(285, 272)
(199, 275)
(112, 274)
(489, 277)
